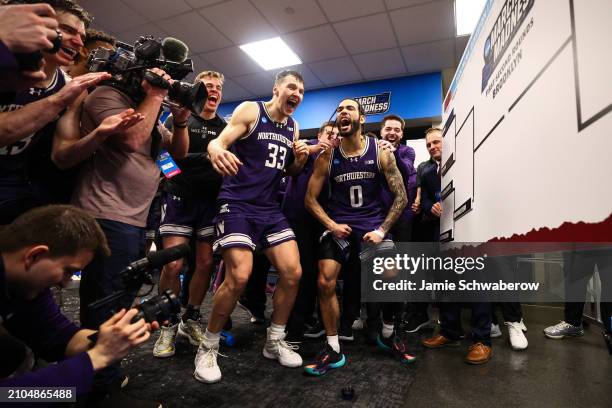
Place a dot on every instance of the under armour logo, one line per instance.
(35, 91)
(220, 228)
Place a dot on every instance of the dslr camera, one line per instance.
(129, 65)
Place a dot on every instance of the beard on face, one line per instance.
(352, 130)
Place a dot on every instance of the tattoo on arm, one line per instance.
(396, 185)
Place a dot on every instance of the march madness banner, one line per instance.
(527, 126)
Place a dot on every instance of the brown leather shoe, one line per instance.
(439, 341)
(479, 354)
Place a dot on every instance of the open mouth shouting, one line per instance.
(292, 103)
(67, 53)
(213, 99)
(345, 124)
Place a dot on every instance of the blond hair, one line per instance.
(211, 74)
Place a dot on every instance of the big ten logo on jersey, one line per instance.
(16, 148)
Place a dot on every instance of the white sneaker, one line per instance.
(165, 344)
(495, 331)
(276, 348)
(206, 368)
(523, 327)
(518, 341)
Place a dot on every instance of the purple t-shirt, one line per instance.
(265, 152)
(356, 183)
(404, 157)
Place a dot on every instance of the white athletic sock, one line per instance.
(276, 330)
(334, 343)
(211, 339)
(387, 330)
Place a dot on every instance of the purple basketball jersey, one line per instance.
(265, 153)
(356, 186)
(14, 158)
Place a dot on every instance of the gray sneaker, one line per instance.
(192, 330)
(563, 329)
(165, 344)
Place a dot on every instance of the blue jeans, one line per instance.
(101, 278)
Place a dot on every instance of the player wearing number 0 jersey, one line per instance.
(264, 146)
(356, 185)
(354, 218)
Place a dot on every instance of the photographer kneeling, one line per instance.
(41, 248)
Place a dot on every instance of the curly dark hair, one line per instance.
(92, 35)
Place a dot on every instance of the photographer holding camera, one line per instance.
(116, 186)
(41, 248)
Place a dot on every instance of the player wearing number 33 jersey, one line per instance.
(253, 153)
(265, 152)
(249, 212)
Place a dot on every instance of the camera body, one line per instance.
(129, 65)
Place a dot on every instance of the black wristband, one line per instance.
(180, 125)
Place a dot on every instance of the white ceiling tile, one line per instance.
(130, 36)
(427, 22)
(291, 15)
(232, 62)
(336, 71)
(234, 92)
(380, 63)
(202, 64)
(259, 84)
(366, 33)
(429, 57)
(310, 79)
(395, 4)
(461, 43)
(192, 29)
(337, 10)
(202, 3)
(315, 44)
(240, 21)
(157, 9)
(113, 15)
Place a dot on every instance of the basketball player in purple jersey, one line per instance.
(264, 147)
(354, 216)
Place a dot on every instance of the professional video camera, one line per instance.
(129, 65)
(158, 308)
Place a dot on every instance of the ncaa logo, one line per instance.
(264, 120)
